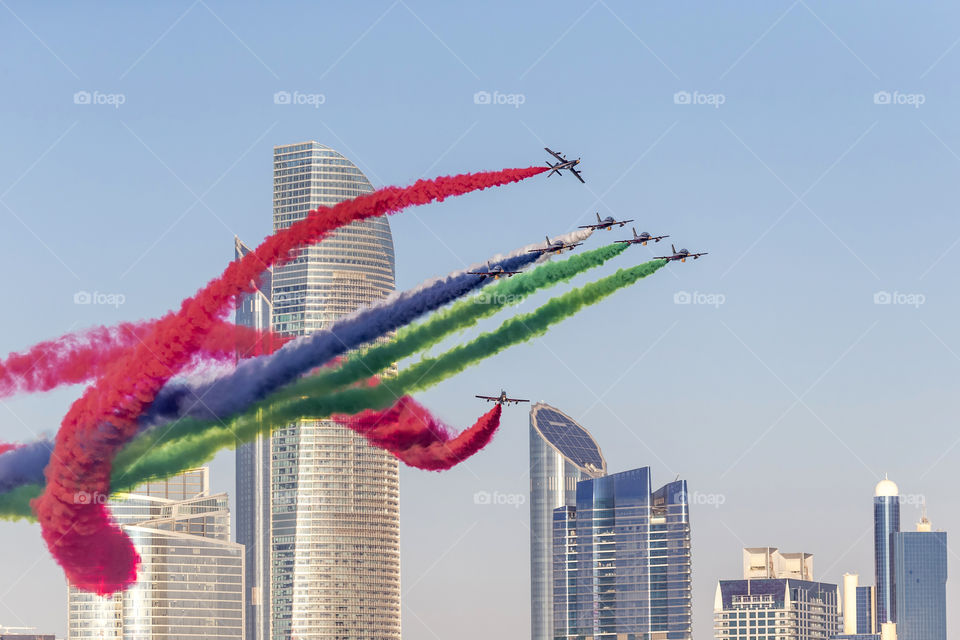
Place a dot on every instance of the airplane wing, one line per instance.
(623, 241)
(697, 255)
(589, 226)
(623, 222)
(515, 400)
(490, 398)
(577, 173)
(556, 154)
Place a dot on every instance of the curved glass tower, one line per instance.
(331, 544)
(886, 522)
(561, 454)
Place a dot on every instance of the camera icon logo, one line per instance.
(81, 497)
(881, 97)
(882, 297)
(681, 97)
(82, 297)
(682, 297)
(281, 97)
(482, 497)
(81, 97)
(481, 97)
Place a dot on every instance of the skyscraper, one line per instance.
(561, 454)
(920, 567)
(776, 599)
(622, 560)
(886, 522)
(252, 477)
(331, 547)
(190, 582)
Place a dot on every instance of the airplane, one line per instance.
(494, 273)
(558, 246)
(563, 164)
(681, 255)
(643, 238)
(502, 398)
(607, 223)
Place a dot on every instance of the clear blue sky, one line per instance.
(790, 400)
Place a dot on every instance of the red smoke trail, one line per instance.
(6, 446)
(94, 553)
(83, 356)
(408, 431)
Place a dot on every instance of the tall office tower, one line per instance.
(850, 583)
(920, 565)
(561, 454)
(622, 561)
(781, 606)
(886, 522)
(334, 499)
(190, 580)
(866, 610)
(252, 477)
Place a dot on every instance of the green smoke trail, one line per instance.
(201, 440)
(192, 442)
(409, 340)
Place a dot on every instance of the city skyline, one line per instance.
(815, 335)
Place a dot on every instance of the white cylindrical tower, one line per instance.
(850, 583)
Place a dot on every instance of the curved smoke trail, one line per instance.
(95, 553)
(413, 435)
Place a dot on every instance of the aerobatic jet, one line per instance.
(562, 164)
(557, 246)
(495, 273)
(502, 399)
(681, 255)
(607, 223)
(642, 238)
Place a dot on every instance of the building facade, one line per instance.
(562, 453)
(622, 561)
(886, 522)
(254, 310)
(190, 581)
(322, 505)
(920, 567)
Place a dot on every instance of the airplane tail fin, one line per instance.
(598, 216)
(673, 248)
(635, 232)
(548, 240)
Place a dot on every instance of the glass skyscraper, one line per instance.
(886, 522)
(561, 454)
(866, 608)
(920, 564)
(622, 561)
(190, 582)
(330, 546)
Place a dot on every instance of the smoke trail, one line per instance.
(193, 442)
(460, 316)
(409, 340)
(409, 432)
(257, 378)
(96, 555)
(83, 356)
(175, 399)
